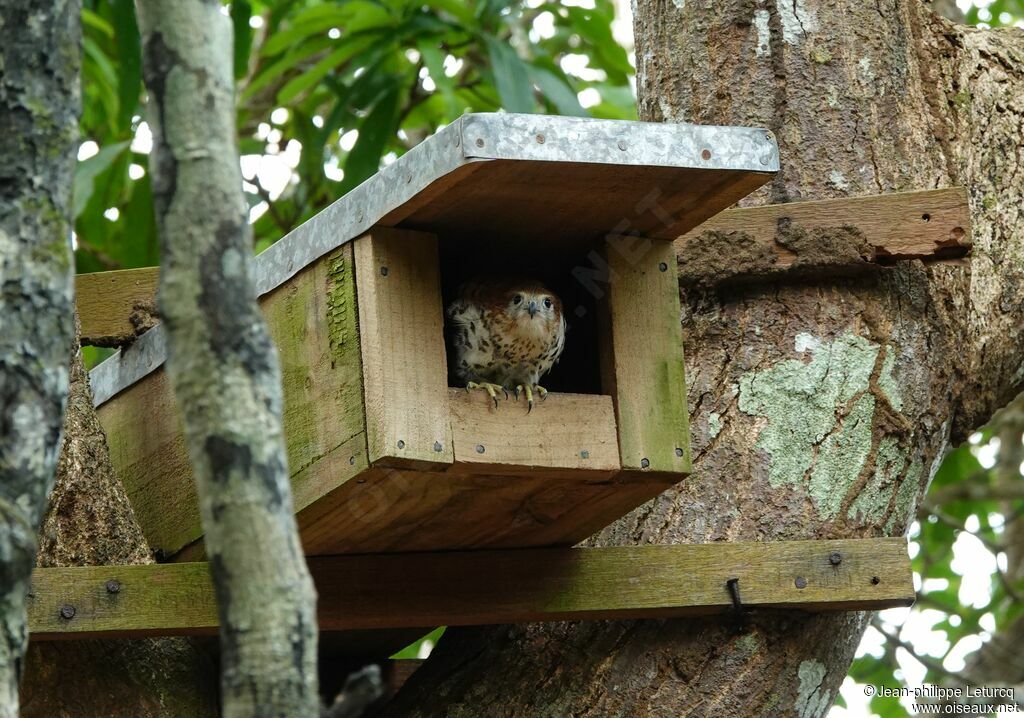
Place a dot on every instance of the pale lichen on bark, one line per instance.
(39, 104)
(223, 365)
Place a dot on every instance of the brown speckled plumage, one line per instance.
(497, 338)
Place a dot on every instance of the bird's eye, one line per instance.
(547, 302)
(518, 299)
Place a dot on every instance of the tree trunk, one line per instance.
(223, 367)
(819, 409)
(90, 522)
(39, 104)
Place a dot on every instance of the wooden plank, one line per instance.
(401, 322)
(484, 587)
(642, 355)
(930, 225)
(115, 307)
(312, 320)
(390, 510)
(567, 431)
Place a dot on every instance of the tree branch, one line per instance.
(223, 366)
(39, 105)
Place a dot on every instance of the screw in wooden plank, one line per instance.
(540, 139)
(835, 558)
(351, 461)
(479, 448)
(679, 452)
(383, 271)
(875, 580)
(662, 266)
(584, 454)
(706, 155)
(480, 142)
(622, 145)
(67, 611)
(401, 444)
(801, 582)
(437, 447)
(113, 586)
(644, 463)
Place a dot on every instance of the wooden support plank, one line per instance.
(401, 322)
(312, 319)
(485, 587)
(568, 431)
(115, 307)
(642, 355)
(930, 225)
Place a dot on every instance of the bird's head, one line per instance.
(532, 307)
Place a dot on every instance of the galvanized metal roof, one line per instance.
(656, 179)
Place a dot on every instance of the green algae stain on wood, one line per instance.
(820, 416)
(642, 362)
(313, 323)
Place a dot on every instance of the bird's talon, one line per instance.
(489, 388)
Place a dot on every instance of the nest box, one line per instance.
(386, 453)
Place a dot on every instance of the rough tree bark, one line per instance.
(39, 104)
(223, 366)
(90, 522)
(819, 409)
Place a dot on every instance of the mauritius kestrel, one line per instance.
(506, 335)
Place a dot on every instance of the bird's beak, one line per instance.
(532, 309)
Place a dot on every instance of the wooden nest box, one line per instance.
(386, 452)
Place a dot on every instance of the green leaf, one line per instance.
(351, 17)
(86, 172)
(241, 11)
(510, 76)
(374, 134)
(557, 91)
(306, 80)
(289, 61)
(92, 21)
(413, 649)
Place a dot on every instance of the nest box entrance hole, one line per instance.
(476, 256)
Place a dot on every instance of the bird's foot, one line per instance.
(491, 389)
(528, 390)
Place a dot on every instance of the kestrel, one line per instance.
(506, 335)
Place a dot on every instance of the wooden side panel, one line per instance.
(312, 319)
(401, 324)
(106, 302)
(572, 431)
(485, 587)
(642, 355)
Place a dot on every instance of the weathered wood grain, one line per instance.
(642, 355)
(564, 431)
(482, 587)
(401, 324)
(466, 507)
(312, 320)
(115, 307)
(931, 225)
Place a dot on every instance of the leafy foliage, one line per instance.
(999, 13)
(330, 89)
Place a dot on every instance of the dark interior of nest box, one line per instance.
(465, 256)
